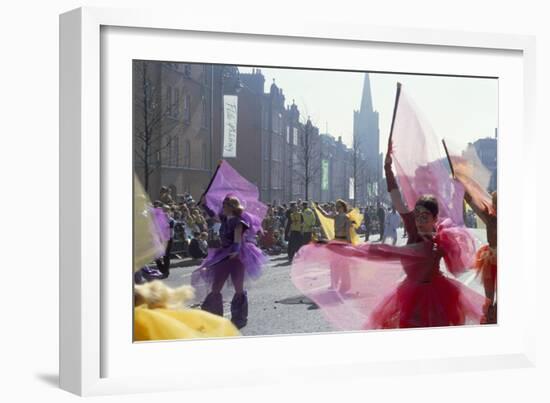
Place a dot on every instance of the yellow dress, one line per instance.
(356, 218)
(170, 324)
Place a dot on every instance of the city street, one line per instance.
(276, 306)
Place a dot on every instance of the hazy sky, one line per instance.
(459, 109)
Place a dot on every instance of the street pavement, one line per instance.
(276, 307)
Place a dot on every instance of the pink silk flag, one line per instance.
(420, 163)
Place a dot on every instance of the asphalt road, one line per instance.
(276, 307)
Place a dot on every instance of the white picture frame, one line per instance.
(86, 299)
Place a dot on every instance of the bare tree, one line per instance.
(307, 163)
(155, 117)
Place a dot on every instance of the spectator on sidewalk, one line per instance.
(295, 237)
(163, 262)
(198, 247)
(166, 196)
(390, 226)
(308, 217)
(381, 213)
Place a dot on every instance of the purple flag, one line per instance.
(227, 181)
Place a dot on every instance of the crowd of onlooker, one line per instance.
(192, 231)
(278, 220)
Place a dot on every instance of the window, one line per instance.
(204, 116)
(187, 70)
(176, 161)
(273, 178)
(264, 176)
(273, 150)
(275, 124)
(169, 155)
(265, 119)
(172, 101)
(187, 108)
(176, 103)
(169, 100)
(288, 135)
(187, 154)
(277, 150)
(295, 136)
(204, 157)
(204, 74)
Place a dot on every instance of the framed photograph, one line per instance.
(264, 196)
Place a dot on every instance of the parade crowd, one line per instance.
(286, 228)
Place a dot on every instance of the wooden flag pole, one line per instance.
(397, 94)
(448, 157)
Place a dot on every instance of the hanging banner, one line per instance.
(351, 189)
(230, 113)
(324, 175)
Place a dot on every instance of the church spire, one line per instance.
(366, 100)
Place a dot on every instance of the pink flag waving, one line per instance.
(420, 164)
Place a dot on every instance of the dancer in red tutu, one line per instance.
(427, 297)
(408, 286)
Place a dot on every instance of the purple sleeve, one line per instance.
(244, 221)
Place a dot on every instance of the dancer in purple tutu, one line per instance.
(238, 256)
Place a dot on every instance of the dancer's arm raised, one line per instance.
(483, 211)
(393, 189)
(323, 212)
(211, 214)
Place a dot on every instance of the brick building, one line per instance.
(178, 134)
(171, 115)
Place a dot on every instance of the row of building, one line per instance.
(178, 120)
(178, 136)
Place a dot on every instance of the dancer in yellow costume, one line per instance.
(341, 228)
(159, 314)
(159, 311)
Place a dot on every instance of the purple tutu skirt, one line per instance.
(250, 256)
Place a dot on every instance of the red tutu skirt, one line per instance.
(440, 302)
(374, 286)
